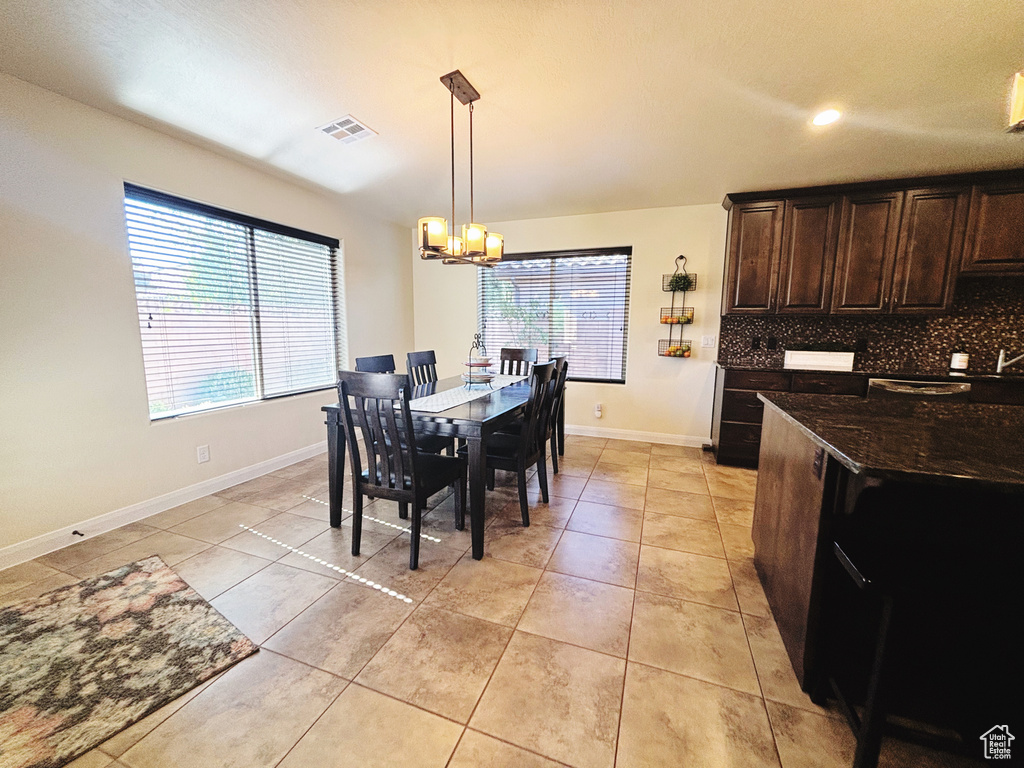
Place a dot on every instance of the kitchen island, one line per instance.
(925, 500)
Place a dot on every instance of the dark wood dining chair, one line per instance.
(376, 364)
(557, 391)
(517, 362)
(422, 367)
(377, 406)
(517, 453)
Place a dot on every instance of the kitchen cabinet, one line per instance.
(809, 231)
(754, 246)
(867, 253)
(995, 229)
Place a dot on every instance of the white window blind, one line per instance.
(572, 303)
(231, 308)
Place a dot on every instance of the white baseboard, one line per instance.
(633, 434)
(48, 542)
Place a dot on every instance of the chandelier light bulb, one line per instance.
(827, 117)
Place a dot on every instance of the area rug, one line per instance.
(81, 663)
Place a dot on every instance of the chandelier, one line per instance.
(476, 245)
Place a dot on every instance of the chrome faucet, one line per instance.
(1004, 363)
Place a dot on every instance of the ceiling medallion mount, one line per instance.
(476, 245)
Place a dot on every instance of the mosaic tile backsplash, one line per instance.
(987, 314)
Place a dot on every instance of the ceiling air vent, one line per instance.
(347, 130)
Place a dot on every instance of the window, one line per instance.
(232, 309)
(572, 303)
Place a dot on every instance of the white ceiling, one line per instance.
(587, 105)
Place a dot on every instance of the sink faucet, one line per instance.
(1004, 363)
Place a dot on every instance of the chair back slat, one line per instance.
(376, 364)
(538, 409)
(422, 367)
(517, 362)
(377, 405)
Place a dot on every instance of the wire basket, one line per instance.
(678, 348)
(684, 281)
(676, 315)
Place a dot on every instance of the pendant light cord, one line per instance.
(452, 89)
(472, 214)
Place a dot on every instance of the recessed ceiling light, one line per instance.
(826, 117)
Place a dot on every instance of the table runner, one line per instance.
(442, 401)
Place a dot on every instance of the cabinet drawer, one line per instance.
(830, 383)
(740, 441)
(999, 392)
(741, 405)
(758, 380)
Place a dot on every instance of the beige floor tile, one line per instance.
(333, 547)
(682, 451)
(222, 523)
(554, 514)
(596, 557)
(619, 473)
(605, 520)
(737, 541)
(91, 759)
(668, 502)
(89, 549)
(563, 485)
(20, 576)
(438, 660)
(216, 570)
(555, 699)
(579, 442)
(685, 465)
(286, 529)
(342, 630)
(250, 488)
(317, 508)
(170, 547)
(390, 567)
(808, 740)
(227, 724)
(774, 669)
(734, 511)
(637, 446)
(286, 494)
(685, 534)
(489, 589)
(615, 494)
(179, 514)
(573, 466)
(625, 458)
(749, 591)
(269, 599)
(290, 472)
(38, 588)
(370, 730)
(672, 720)
(124, 740)
(477, 749)
(678, 481)
(507, 539)
(728, 484)
(685, 575)
(692, 639)
(580, 612)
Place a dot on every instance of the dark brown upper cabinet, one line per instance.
(755, 237)
(867, 251)
(930, 248)
(809, 234)
(995, 229)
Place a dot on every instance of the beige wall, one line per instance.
(75, 435)
(663, 398)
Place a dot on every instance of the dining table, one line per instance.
(473, 422)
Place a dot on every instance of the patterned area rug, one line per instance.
(81, 663)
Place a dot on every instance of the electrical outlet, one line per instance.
(202, 453)
(598, 411)
(707, 341)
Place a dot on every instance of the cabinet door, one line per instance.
(995, 229)
(928, 255)
(755, 238)
(867, 250)
(808, 258)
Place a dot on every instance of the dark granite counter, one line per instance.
(916, 440)
(904, 375)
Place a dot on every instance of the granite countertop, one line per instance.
(914, 439)
(915, 376)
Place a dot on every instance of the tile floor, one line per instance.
(625, 627)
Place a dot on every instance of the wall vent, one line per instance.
(347, 130)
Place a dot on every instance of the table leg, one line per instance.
(477, 497)
(335, 468)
